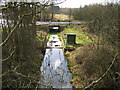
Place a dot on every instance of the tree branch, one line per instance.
(8, 56)
(96, 81)
(18, 25)
(11, 32)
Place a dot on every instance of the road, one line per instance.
(47, 23)
(58, 23)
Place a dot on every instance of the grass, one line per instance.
(53, 33)
(81, 36)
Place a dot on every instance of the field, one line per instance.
(62, 17)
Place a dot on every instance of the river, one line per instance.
(54, 69)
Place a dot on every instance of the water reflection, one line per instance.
(54, 70)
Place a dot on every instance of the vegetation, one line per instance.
(97, 65)
(87, 65)
(81, 36)
(95, 62)
(21, 57)
(61, 17)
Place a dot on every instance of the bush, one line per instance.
(88, 64)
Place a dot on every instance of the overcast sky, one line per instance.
(78, 3)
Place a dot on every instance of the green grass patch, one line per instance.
(81, 37)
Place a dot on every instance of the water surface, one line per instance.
(54, 69)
